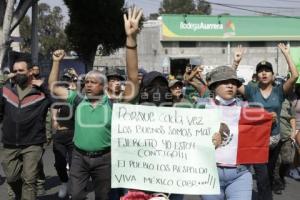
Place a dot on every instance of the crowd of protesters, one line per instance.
(70, 103)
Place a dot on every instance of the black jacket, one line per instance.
(23, 120)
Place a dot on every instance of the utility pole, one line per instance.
(277, 61)
(34, 34)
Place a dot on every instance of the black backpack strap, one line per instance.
(77, 101)
(110, 102)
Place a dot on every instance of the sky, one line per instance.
(281, 7)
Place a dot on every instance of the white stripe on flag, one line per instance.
(227, 153)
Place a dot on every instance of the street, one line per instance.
(52, 183)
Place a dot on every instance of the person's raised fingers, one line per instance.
(125, 18)
(129, 13)
(134, 13)
(139, 15)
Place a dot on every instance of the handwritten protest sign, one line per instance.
(164, 149)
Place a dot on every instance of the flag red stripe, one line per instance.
(254, 135)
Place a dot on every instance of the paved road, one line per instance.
(52, 183)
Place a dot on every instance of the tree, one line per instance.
(185, 7)
(95, 25)
(25, 32)
(10, 17)
(50, 30)
(203, 7)
(177, 6)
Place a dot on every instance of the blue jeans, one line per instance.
(235, 184)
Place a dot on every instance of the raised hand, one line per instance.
(188, 69)
(294, 134)
(238, 53)
(274, 117)
(58, 55)
(11, 75)
(200, 69)
(37, 83)
(284, 49)
(131, 21)
(73, 72)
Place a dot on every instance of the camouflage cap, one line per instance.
(114, 72)
(222, 73)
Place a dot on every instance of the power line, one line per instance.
(256, 6)
(242, 7)
(221, 10)
(255, 11)
(151, 2)
(284, 1)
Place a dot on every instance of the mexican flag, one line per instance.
(246, 133)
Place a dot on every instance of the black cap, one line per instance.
(149, 77)
(264, 64)
(142, 72)
(114, 72)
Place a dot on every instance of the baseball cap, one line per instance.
(114, 72)
(264, 65)
(173, 82)
(149, 77)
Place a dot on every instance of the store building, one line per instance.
(168, 44)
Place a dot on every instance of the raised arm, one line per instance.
(54, 124)
(194, 72)
(196, 86)
(131, 24)
(238, 55)
(1, 105)
(58, 91)
(289, 84)
(187, 73)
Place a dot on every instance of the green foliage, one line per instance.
(177, 6)
(203, 7)
(185, 7)
(50, 30)
(95, 25)
(25, 31)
